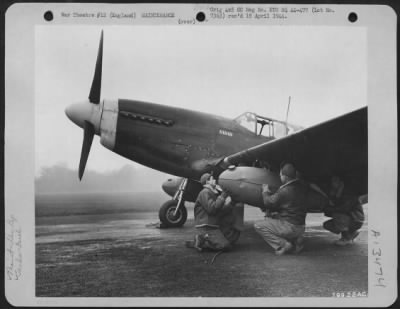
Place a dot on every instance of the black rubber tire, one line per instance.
(166, 214)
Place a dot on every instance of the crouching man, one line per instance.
(209, 210)
(346, 212)
(284, 224)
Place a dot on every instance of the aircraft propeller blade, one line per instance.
(95, 90)
(88, 133)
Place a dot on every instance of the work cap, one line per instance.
(289, 170)
(204, 178)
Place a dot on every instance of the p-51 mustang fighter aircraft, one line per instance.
(188, 143)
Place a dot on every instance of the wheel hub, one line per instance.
(171, 217)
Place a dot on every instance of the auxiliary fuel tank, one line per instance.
(244, 184)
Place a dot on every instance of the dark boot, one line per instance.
(284, 249)
(298, 244)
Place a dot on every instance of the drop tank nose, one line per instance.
(170, 186)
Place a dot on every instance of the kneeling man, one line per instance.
(211, 213)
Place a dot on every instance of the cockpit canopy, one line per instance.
(264, 126)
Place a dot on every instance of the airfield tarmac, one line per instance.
(123, 254)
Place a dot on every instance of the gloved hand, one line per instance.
(224, 194)
(265, 188)
(228, 202)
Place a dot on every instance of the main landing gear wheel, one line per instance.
(167, 217)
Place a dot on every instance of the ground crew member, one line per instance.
(346, 212)
(209, 210)
(284, 224)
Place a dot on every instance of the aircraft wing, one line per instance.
(335, 147)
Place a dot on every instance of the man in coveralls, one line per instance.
(212, 213)
(284, 224)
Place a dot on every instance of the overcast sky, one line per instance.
(220, 70)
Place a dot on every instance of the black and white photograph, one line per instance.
(213, 152)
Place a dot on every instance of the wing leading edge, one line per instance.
(335, 147)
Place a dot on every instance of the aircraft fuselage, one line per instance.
(177, 141)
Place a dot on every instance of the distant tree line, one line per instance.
(61, 179)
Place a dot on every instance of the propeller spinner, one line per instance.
(87, 114)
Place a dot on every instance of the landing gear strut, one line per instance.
(173, 213)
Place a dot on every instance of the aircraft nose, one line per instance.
(79, 113)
